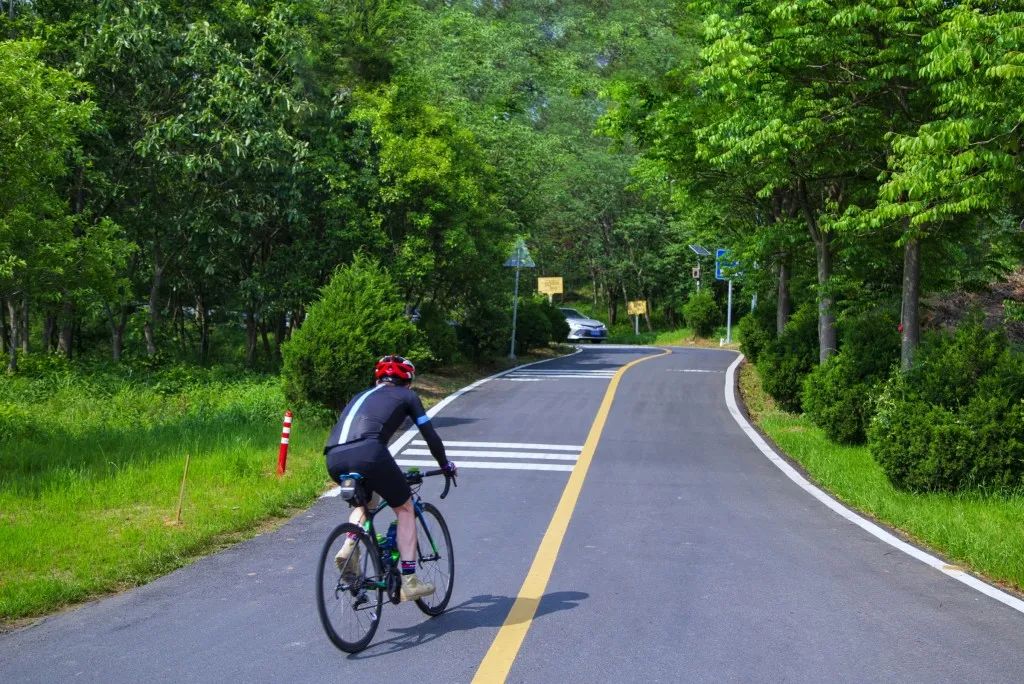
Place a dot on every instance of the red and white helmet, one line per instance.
(394, 367)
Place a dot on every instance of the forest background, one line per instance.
(179, 181)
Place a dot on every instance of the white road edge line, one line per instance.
(865, 524)
(492, 464)
(477, 453)
(506, 445)
(407, 436)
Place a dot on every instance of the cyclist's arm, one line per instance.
(426, 428)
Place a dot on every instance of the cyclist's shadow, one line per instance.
(480, 611)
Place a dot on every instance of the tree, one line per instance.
(42, 111)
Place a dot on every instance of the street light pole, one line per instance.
(515, 310)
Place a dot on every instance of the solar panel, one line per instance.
(700, 251)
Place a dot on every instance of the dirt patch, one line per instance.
(947, 311)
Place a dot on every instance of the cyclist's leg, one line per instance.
(390, 482)
(344, 459)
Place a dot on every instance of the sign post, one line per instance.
(636, 309)
(550, 287)
(724, 271)
(520, 258)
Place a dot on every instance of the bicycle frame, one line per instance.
(417, 511)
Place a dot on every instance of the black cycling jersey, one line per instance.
(378, 412)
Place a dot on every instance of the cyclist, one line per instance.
(359, 443)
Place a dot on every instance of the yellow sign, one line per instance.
(549, 286)
(637, 308)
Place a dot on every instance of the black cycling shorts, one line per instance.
(373, 461)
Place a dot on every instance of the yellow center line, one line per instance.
(498, 660)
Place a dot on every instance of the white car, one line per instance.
(583, 328)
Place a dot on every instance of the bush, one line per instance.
(440, 334)
(785, 361)
(485, 331)
(958, 428)
(533, 326)
(754, 336)
(559, 326)
(358, 318)
(839, 395)
(838, 399)
(701, 313)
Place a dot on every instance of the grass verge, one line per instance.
(679, 337)
(90, 477)
(984, 534)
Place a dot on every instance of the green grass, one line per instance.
(982, 533)
(678, 337)
(91, 466)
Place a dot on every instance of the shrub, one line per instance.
(966, 431)
(559, 326)
(358, 318)
(440, 334)
(533, 326)
(839, 400)
(839, 395)
(754, 336)
(701, 313)
(485, 331)
(785, 361)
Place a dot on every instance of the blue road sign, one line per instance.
(721, 264)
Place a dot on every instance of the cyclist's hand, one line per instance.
(451, 469)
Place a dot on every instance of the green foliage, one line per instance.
(440, 335)
(754, 335)
(559, 326)
(358, 318)
(533, 325)
(484, 332)
(787, 360)
(839, 395)
(702, 313)
(839, 400)
(956, 420)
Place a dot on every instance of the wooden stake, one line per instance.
(181, 493)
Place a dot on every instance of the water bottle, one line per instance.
(392, 535)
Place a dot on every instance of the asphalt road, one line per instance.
(689, 557)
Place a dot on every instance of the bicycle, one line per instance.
(350, 597)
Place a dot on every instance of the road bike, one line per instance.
(350, 593)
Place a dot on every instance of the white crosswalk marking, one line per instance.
(534, 374)
(506, 455)
(493, 466)
(506, 445)
(494, 454)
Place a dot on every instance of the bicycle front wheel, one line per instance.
(435, 559)
(349, 588)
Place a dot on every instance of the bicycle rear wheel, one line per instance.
(435, 559)
(349, 598)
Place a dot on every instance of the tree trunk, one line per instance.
(280, 332)
(250, 338)
(49, 327)
(12, 342)
(204, 329)
(826, 319)
(910, 319)
(5, 336)
(784, 305)
(67, 326)
(24, 324)
(149, 329)
(823, 255)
